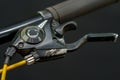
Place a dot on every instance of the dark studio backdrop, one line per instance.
(93, 61)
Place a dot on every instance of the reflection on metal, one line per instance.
(41, 25)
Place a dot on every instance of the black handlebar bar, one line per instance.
(73, 8)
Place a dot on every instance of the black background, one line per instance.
(94, 61)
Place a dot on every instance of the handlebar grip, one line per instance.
(71, 9)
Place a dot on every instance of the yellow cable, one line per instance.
(13, 66)
(3, 77)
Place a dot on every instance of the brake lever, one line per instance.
(45, 41)
(93, 37)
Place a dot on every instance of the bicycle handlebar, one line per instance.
(71, 9)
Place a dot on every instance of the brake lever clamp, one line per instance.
(45, 41)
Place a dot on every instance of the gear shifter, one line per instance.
(45, 41)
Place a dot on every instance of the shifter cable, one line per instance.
(13, 66)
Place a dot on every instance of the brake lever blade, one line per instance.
(98, 37)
